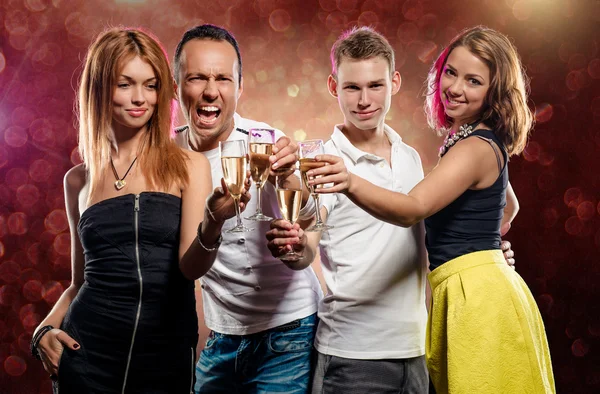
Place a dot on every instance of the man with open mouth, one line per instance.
(261, 314)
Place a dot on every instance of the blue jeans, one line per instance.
(278, 360)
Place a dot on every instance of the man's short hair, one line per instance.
(360, 43)
(206, 32)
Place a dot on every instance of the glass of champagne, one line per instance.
(234, 160)
(289, 197)
(261, 143)
(308, 150)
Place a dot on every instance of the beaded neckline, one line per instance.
(463, 132)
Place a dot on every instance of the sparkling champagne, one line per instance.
(308, 150)
(259, 161)
(289, 201)
(307, 164)
(234, 173)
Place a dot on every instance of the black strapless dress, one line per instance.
(135, 315)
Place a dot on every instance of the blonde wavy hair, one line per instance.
(505, 109)
(160, 160)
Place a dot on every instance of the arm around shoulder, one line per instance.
(510, 210)
(460, 169)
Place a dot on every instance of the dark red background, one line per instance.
(285, 46)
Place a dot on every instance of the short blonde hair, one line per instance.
(360, 43)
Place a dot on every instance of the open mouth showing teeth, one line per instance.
(208, 113)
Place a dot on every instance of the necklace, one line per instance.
(120, 182)
(463, 132)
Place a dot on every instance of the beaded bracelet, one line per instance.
(35, 341)
(215, 246)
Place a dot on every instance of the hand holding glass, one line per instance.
(289, 198)
(234, 160)
(309, 149)
(261, 143)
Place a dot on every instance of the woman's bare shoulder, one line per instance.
(75, 182)
(196, 159)
(75, 178)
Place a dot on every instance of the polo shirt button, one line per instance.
(381, 165)
(241, 241)
(257, 288)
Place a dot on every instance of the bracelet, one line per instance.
(211, 215)
(215, 246)
(35, 341)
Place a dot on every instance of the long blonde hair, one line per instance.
(160, 160)
(505, 108)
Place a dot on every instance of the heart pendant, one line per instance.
(119, 184)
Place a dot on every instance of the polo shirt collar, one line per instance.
(345, 146)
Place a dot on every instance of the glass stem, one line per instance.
(236, 202)
(317, 208)
(259, 198)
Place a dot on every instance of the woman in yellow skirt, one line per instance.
(485, 333)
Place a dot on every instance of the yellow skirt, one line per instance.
(484, 332)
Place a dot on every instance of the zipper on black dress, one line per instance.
(136, 211)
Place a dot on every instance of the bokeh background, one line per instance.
(285, 48)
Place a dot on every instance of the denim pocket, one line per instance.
(213, 337)
(297, 340)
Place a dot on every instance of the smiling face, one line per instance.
(209, 90)
(134, 95)
(463, 86)
(364, 90)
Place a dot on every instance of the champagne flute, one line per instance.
(234, 160)
(308, 150)
(289, 198)
(261, 144)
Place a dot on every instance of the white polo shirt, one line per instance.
(374, 271)
(247, 290)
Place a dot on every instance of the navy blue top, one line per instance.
(471, 222)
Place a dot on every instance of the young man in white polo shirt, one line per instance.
(262, 316)
(371, 333)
